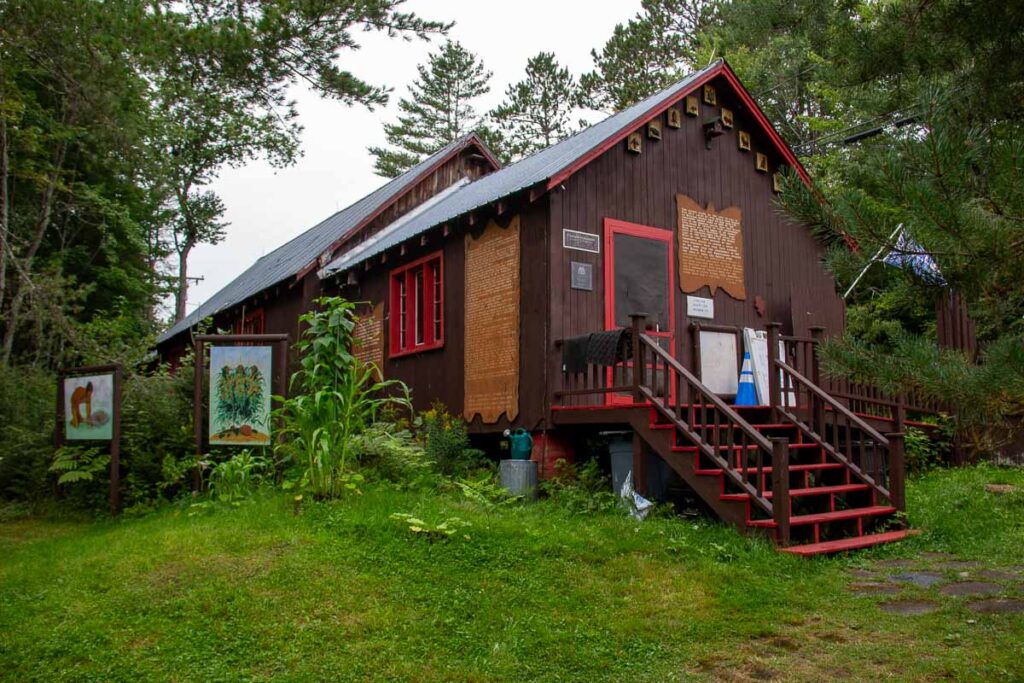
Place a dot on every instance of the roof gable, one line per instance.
(300, 254)
(553, 165)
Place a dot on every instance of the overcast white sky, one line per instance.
(266, 206)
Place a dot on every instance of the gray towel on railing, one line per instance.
(574, 354)
(611, 347)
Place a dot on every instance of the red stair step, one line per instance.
(779, 425)
(852, 543)
(798, 493)
(750, 447)
(792, 468)
(826, 517)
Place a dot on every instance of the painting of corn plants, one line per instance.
(240, 395)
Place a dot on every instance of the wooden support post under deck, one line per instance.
(780, 489)
(897, 472)
(639, 466)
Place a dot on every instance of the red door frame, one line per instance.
(614, 227)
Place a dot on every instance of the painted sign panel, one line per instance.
(718, 357)
(89, 407)
(710, 248)
(756, 343)
(240, 379)
(700, 307)
(581, 241)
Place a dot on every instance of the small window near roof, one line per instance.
(417, 306)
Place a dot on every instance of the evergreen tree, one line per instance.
(439, 109)
(537, 111)
(648, 53)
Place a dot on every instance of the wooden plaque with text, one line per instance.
(368, 337)
(710, 248)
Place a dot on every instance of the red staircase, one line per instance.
(829, 507)
(805, 471)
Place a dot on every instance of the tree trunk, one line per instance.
(181, 291)
(4, 212)
(24, 284)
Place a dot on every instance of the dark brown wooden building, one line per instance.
(480, 282)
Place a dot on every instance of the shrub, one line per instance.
(392, 452)
(581, 489)
(446, 440)
(156, 429)
(28, 419)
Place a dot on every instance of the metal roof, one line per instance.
(523, 174)
(293, 256)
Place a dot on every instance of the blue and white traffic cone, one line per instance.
(747, 393)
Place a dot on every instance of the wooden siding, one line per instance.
(438, 375)
(469, 163)
(782, 261)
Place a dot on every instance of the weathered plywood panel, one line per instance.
(491, 361)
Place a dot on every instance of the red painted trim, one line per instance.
(473, 139)
(614, 227)
(723, 68)
(408, 272)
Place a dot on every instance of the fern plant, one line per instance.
(78, 464)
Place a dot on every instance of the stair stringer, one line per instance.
(709, 487)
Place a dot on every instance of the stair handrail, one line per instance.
(832, 402)
(642, 343)
(891, 445)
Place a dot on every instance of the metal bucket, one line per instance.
(519, 477)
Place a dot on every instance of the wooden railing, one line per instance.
(863, 399)
(723, 438)
(876, 459)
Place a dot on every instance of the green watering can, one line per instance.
(521, 444)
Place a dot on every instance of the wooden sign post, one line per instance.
(279, 383)
(95, 390)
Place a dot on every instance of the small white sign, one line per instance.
(700, 307)
(581, 241)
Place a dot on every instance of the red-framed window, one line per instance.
(417, 306)
(251, 323)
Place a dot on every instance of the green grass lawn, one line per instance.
(344, 592)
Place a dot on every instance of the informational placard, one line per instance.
(718, 370)
(491, 360)
(710, 248)
(581, 241)
(700, 307)
(89, 407)
(368, 337)
(582, 276)
(240, 378)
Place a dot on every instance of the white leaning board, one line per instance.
(718, 362)
(756, 344)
